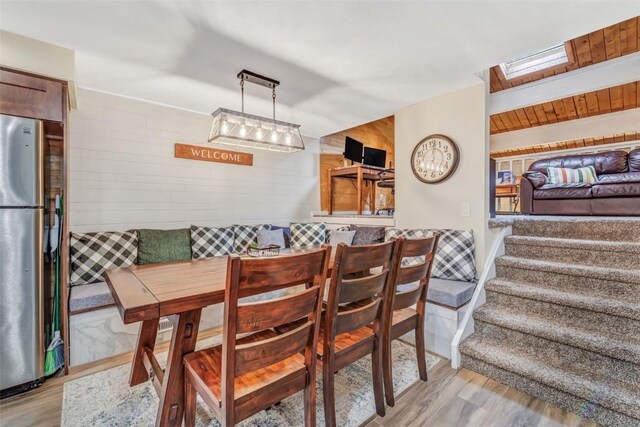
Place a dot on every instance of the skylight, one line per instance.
(547, 58)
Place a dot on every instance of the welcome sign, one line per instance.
(197, 152)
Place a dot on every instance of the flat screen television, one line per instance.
(374, 157)
(353, 150)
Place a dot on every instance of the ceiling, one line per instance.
(566, 145)
(613, 41)
(340, 63)
(602, 101)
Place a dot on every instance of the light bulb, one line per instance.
(224, 126)
(259, 134)
(243, 130)
(287, 138)
(274, 135)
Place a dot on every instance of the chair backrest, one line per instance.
(247, 277)
(413, 266)
(356, 302)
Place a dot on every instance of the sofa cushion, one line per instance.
(271, 237)
(308, 234)
(634, 160)
(211, 241)
(452, 293)
(246, 235)
(604, 163)
(538, 179)
(619, 178)
(454, 258)
(94, 253)
(367, 235)
(627, 189)
(163, 245)
(576, 190)
(88, 297)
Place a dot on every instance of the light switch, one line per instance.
(466, 209)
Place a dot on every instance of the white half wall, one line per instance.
(462, 116)
(123, 173)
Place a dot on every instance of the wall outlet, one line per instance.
(466, 209)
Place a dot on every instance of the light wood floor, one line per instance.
(452, 398)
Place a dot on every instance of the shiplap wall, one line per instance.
(123, 173)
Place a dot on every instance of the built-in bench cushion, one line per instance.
(451, 293)
(94, 253)
(210, 241)
(89, 297)
(163, 245)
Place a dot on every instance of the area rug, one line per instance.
(105, 399)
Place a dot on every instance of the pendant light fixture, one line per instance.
(247, 130)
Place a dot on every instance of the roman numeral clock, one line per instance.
(435, 159)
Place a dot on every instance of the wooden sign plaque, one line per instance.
(198, 152)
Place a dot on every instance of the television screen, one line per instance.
(374, 157)
(353, 149)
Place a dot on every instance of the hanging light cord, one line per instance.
(242, 93)
(273, 97)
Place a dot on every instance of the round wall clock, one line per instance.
(435, 159)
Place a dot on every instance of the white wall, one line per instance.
(462, 116)
(123, 173)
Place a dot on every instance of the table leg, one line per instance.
(373, 198)
(359, 191)
(146, 339)
(183, 341)
(330, 193)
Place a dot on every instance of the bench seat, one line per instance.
(450, 293)
(94, 296)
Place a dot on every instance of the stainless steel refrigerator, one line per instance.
(21, 258)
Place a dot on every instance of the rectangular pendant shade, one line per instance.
(246, 130)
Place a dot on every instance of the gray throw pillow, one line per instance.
(345, 237)
(271, 237)
(367, 235)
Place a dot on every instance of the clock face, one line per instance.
(435, 159)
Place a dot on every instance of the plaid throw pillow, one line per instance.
(308, 234)
(391, 233)
(94, 253)
(207, 241)
(246, 235)
(454, 258)
(566, 175)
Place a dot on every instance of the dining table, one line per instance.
(146, 293)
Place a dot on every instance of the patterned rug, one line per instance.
(105, 399)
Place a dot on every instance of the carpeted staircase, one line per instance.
(562, 317)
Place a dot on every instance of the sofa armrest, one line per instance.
(537, 179)
(526, 195)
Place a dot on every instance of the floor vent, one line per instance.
(166, 324)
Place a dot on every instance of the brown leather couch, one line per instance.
(617, 191)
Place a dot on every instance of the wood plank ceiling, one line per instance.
(601, 45)
(608, 100)
(566, 145)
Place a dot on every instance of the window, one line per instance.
(547, 58)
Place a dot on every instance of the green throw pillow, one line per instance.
(163, 245)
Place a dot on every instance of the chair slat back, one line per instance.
(354, 303)
(418, 274)
(305, 275)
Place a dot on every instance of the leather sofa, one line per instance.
(617, 191)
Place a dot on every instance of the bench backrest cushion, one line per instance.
(211, 241)
(454, 258)
(308, 234)
(94, 253)
(163, 245)
(246, 235)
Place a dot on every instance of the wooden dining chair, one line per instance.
(352, 305)
(400, 317)
(256, 367)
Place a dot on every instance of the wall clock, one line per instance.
(435, 159)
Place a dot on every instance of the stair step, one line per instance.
(585, 408)
(554, 365)
(620, 255)
(610, 336)
(622, 229)
(585, 298)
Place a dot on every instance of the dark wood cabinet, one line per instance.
(30, 96)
